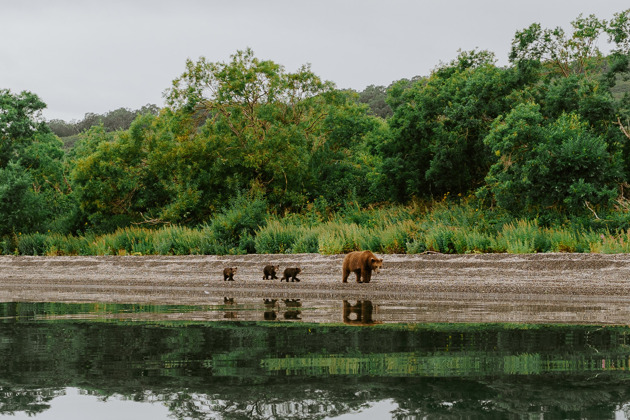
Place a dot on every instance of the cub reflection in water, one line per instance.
(359, 314)
(229, 302)
(292, 311)
(271, 313)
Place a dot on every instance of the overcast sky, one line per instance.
(100, 55)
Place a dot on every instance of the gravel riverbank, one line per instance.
(575, 288)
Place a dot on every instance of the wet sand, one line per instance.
(536, 288)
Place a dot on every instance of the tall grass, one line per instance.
(248, 228)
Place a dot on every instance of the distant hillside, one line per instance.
(118, 119)
(621, 87)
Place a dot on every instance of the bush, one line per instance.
(523, 237)
(395, 237)
(441, 239)
(307, 241)
(276, 238)
(416, 247)
(9, 244)
(57, 244)
(472, 241)
(233, 230)
(339, 238)
(32, 244)
(133, 240)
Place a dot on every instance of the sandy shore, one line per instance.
(574, 288)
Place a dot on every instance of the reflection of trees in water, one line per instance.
(284, 402)
(249, 370)
(556, 396)
(32, 401)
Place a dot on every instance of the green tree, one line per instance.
(571, 66)
(286, 137)
(375, 97)
(261, 122)
(346, 164)
(34, 192)
(115, 179)
(559, 165)
(618, 31)
(559, 53)
(118, 119)
(439, 124)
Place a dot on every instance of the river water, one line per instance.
(264, 359)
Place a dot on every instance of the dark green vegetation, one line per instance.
(116, 120)
(249, 370)
(258, 159)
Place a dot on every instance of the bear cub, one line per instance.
(362, 263)
(291, 273)
(228, 273)
(270, 271)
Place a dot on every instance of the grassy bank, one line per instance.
(443, 227)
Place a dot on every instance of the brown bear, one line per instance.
(291, 273)
(228, 273)
(270, 271)
(361, 263)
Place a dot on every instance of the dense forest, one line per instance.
(248, 157)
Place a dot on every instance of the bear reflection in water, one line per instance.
(270, 313)
(292, 309)
(358, 314)
(229, 302)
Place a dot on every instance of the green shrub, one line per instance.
(275, 238)
(57, 244)
(440, 239)
(472, 241)
(233, 230)
(523, 237)
(394, 238)
(612, 243)
(329, 243)
(9, 244)
(563, 240)
(339, 238)
(32, 244)
(133, 240)
(307, 241)
(416, 247)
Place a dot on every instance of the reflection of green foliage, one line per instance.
(30, 400)
(193, 367)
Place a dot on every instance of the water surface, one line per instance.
(264, 359)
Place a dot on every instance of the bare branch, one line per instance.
(593, 211)
(625, 130)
